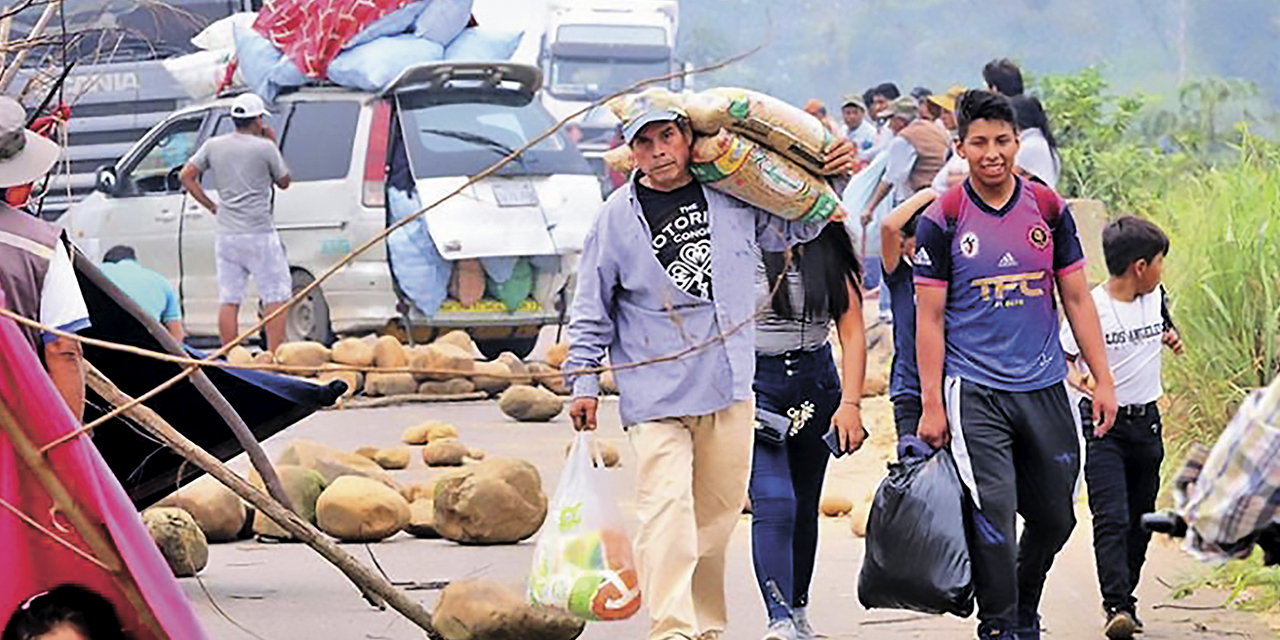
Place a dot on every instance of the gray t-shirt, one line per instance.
(776, 334)
(245, 168)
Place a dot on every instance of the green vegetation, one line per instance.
(1215, 189)
(1251, 585)
(1214, 186)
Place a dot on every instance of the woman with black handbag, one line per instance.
(805, 411)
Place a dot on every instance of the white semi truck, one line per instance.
(592, 48)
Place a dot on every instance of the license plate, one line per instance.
(515, 194)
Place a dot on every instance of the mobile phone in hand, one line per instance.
(832, 440)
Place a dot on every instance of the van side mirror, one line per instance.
(105, 180)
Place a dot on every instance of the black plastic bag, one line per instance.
(917, 553)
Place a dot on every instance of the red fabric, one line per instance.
(312, 32)
(31, 561)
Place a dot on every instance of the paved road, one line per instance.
(286, 592)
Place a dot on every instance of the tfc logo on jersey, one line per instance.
(1001, 288)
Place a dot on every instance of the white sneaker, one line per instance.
(804, 630)
(782, 629)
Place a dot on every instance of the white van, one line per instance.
(428, 131)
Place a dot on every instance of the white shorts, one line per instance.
(258, 254)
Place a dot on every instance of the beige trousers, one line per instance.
(692, 484)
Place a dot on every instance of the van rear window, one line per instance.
(319, 138)
(465, 138)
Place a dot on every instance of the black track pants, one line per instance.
(1017, 452)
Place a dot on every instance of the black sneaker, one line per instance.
(988, 633)
(1120, 625)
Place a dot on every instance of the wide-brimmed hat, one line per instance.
(947, 100)
(25, 156)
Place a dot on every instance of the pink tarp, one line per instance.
(30, 562)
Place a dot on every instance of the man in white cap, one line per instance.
(669, 267)
(36, 275)
(246, 164)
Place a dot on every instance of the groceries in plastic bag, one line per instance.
(583, 561)
(762, 177)
(917, 554)
(765, 119)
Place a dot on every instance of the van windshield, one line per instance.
(465, 138)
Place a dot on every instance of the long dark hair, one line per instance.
(85, 610)
(1030, 114)
(826, 264)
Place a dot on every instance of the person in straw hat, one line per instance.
(36, 275)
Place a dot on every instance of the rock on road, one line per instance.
(287, 592)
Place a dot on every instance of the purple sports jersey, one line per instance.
(999, 268)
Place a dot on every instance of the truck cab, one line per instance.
(593, 49)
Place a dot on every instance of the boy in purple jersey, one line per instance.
(990, 253)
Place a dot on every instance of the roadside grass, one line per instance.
(1250, 586)
(1223, 280)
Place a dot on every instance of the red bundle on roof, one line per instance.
(312, 32)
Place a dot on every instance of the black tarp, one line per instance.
(148, 470)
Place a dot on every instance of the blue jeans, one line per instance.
(786, 479)
(873, 278)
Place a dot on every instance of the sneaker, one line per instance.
(1120, 625)
(987, 633)
(804, 630)
(782, 629)
(1029, 630)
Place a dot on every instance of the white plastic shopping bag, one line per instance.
(583, 561)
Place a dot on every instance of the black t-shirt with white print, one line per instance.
(681, 233)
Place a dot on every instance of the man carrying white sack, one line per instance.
(668, 266)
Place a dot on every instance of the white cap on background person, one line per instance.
(248, 105)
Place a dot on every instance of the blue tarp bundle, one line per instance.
(419, 269)
(418, 33)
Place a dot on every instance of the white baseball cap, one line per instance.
(25, 156)
(248, 105)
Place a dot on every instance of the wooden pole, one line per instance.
(288, 520)
(258, 457)
(95, 537)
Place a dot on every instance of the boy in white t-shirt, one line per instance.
(1122, 466)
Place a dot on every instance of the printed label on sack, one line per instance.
(822, 209)
(779, 179)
